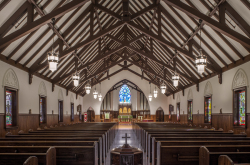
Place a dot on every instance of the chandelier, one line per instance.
(52, 55)
(87, 88)
(76, 79)
(163, 88)
(175, 79)
(155, 92)
(150, 95)
(95, 93)
(100, 95)
(201, 60)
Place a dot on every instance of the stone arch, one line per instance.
(208, 91)
(178, 99)
(60, 94)
(190, 94)
(71, 98)
(10, 79)
(42, 89)
(240, 79)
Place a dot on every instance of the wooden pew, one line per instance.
(45, 158)
(225, 160)
(211, 158)
(73, 155)
(189, 155)
(32, 160)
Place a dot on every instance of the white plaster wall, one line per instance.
(28, 93)
(88, 100)
(222, 93)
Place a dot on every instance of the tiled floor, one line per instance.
(119, 141)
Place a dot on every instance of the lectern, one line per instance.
(126, 155)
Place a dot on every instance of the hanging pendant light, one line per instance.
(95, 93)
(155, 92)
(52, 55)
(163, 88)
(76, 79)
(175, 79)
(150, 95)
(87, 88)
(201, 60)
(100, 95)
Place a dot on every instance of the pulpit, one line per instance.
(126, 155)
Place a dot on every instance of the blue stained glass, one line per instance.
(124, 94)
(8, 108)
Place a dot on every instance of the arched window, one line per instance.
(124, 94)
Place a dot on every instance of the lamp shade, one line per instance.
(150, 97)
(201, 62)
(76, 79)
(87, 88)
(175, 79)
(155, 93)
(100, 97)
(53, 61)
(163, 88)
(95, 93)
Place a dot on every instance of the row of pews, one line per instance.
(178, 144)
(80, 143)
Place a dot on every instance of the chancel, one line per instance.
(77, 75)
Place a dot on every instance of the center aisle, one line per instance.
(119, 141)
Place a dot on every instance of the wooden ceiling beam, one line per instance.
(161, 40)
(246, 3)
(220, 35)
(143, 11)
(93, 84)
(210, 22)
(107, 11)
(184, 33)
(4, 3)
(97, 58)
(40, 22)
(160, 62)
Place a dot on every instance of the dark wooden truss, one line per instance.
(94, 36)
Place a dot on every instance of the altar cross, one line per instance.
(126, 138)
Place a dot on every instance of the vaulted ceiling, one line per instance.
(159, 37)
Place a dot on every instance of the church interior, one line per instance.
(124, 82)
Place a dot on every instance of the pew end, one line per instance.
(32, 160)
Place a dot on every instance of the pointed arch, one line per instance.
(71, 98)
(190, 94)
(10, 79)
(42, 89)
(240, 79)
(208, 91)
(60, 94)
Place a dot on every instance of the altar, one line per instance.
(125, 118)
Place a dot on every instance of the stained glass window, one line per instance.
(208, 110)
(72, 111)
(190, 110)
(242, 108)
(124, 94)
(239, 111)
(8, 108)
(178, 111)
(41, 110)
